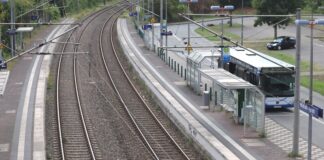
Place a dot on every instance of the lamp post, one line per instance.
(295, 149)
(309, 153)
(188, 10)
(225, 8)
(13, 36)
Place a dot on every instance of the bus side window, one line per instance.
(253, 79)
(226, 66)
(240, 72)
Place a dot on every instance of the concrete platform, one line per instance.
(22, 106)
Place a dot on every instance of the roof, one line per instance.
(258, 60)
(25, 29)
(199, 55)
(226, 79)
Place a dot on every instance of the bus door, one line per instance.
(232, 67)
(240, 101)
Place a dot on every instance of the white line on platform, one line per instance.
(23, 122)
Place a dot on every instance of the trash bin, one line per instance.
(206, 98)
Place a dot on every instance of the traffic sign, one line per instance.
(11, 32)
(153, 20)
(315, 111)
(188, 48)
(164, 24)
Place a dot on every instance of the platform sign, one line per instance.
(188, 1)
(315, 111)
(138, 9)
(164, 24)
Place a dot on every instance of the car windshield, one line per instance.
(278, 85)
(278, 40)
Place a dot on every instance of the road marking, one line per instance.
(4, 75)
(180, 83)
(19, 83)
(10, 111)
(28, 58)
(280, 115)
(252, 142)
(204, 107)
(4, 147)
(319, 45)
(176, 37)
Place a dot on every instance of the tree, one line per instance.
(274, 7)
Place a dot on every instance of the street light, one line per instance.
(188, 10)
(222, 9)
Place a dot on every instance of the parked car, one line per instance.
(2, 64)
(168, 33)
(282, 42)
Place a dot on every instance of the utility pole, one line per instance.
(222, 45)
(295, 151)
(161, 23)
(1, 56)
(13, 36)
(153, 25)
(188, 43)
(242, 23)
(166, 30)
(310, 121)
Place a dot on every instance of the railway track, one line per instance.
(74, 140)
(151, 131)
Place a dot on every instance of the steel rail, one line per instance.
(137, 93)
(119, 96)
(92, 16)
(146, 105)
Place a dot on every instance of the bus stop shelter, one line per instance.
(22, 30)
(234, 94)
(197, 60)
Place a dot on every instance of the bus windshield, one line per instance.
(278, 85)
